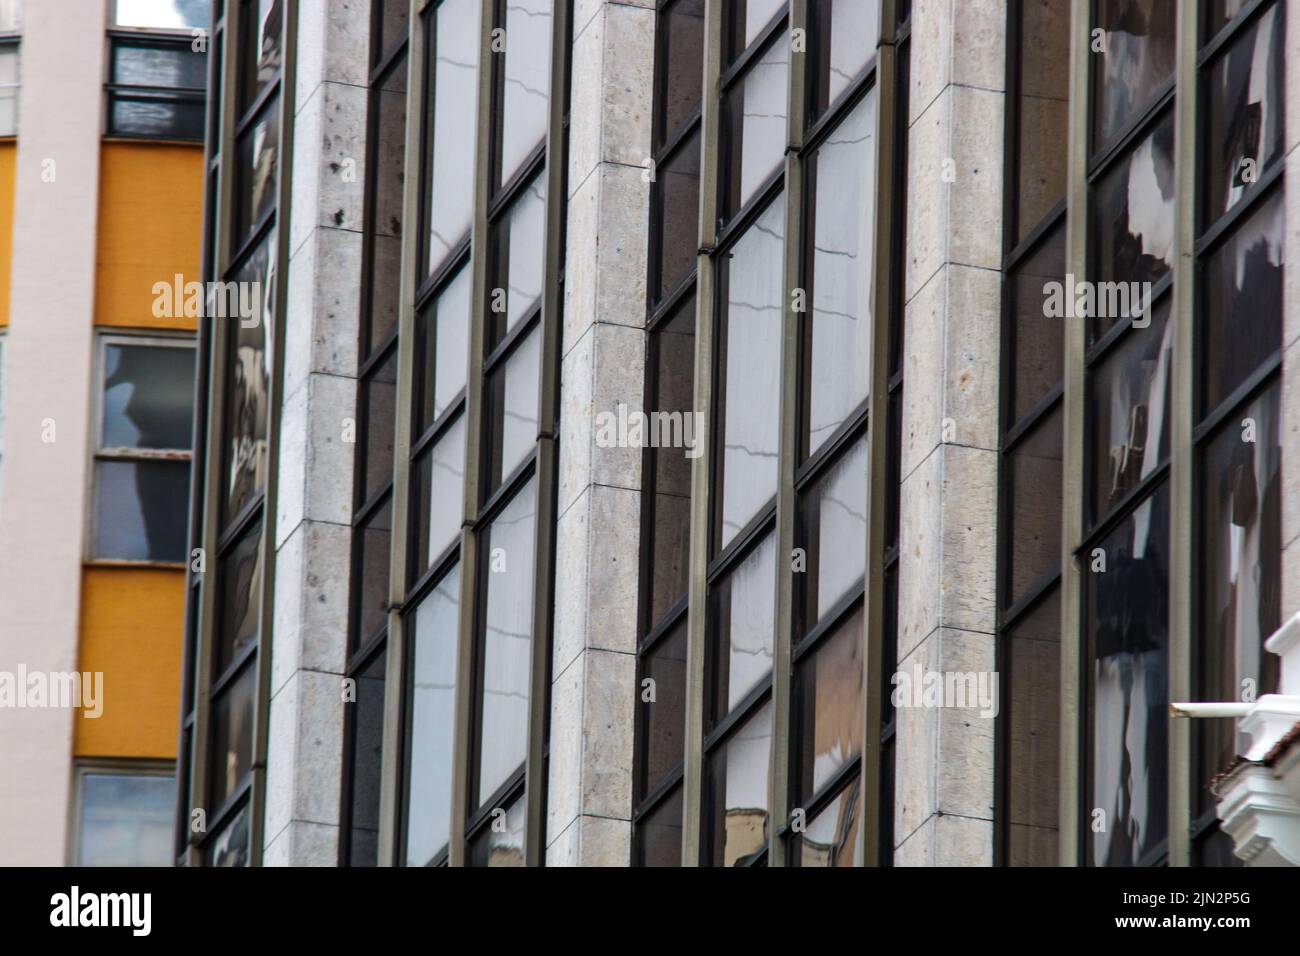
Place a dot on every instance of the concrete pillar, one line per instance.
(947, 601)
(48, 375)
(589, 799)
(308, 642)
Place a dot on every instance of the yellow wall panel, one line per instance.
(150, 229)
(132, 629)
(8, 163)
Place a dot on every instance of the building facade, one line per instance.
(101, 198)
(687, 432)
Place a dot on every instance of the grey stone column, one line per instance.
(944, 783)
(313, 520)
(593, 668)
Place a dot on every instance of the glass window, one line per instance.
(744, 625)
(751, 283)
(681, 65)
(1043, 64)
(1033, 647)
(374, 538)
(1127, 634)
(432, 720)
(754, 134)
(845, 33)
(437, 489)
(392, 23)
(1038, 358)
(1242, 321)
(367, 745)
(125, 819)
(1244, 131)
(523, 106)
(745, 20)
(841, 186)
(240, 598)
(828, 708)
(512, 393)
(248, 381)
(519, 260)
(659, 833)
(232, 741)
(455, 42)
(673, 366)
(162, 14)
(229, 847)
(831, 528)
(156, 89)
(502, 842)
(148, 396)
(442, 347)
(257, 159)
(1033, 472)
(9, 84)
(1136, 58)
(261, 23)
(1128, 394)
(506, 650)
(1221, 13)
(831, 837)
(140, 509)
(1132, 227)
(663, 718)
(676, 215)
(379, 398)
(388, 156)
(738, 773)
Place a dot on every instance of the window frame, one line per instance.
(83, 767)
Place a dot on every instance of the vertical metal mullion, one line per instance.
(1182, 452)
(275, 396)
(1072, 490)
(889, 126)
(391, 754)
(210, 525)
(702, 466)
(788, 447)
(469, 563)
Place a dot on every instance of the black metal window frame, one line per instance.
(181, 96)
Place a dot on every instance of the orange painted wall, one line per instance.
(132, 629)
(150, 229)
(8, 164)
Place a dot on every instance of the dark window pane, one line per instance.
(442, 332)
(1033, 734)
(1127, 634)
(506, 650)
(831, 837)
(437, 490)
(744, 20)
(141, 509)
(831, 529)
(164, 66)
(512, 397)
(751, 291)
(156, 116)
(371, 594)
(1034, 533)
(162, 14)
(1245, 121)
(1220, 13)
(502, 842)
(738, 774)
(1240, 555)
(229, 848)
(681, 64)
(744, 624)
(392, 23)
(663, 719)
(126, 819)
(519, 246)
(1136, 59)
(432, 720)
(1127, 397)
(845, 33)
(257, 160)
(841, 181)
(1044, 78)
(828, 711)
(1038, 358)
(388, 113)
(367, 745)
(1242, 324)
(524, 101)
(232, 737)
(455, 43)
(260, 26)
(1133, 214)
(676, 214)
(379, 398)
(248, 381)
(673, 358)
(659, 834)
(239, 598)
(754, 134)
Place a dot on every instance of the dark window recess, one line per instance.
(156, 88)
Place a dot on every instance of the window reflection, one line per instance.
(239, 608)
(828, 706)
(125, 819)
(261, 23)
(504, 846)
(663, 719)
(512, 391)
(831, 837)
(738, 775)
(1133, 212)
(525, 85)
(754, 113)
(1136, 59)
(367, 714)
(1034, 529)
(845, 35)
(832, 531)
(248, 382)
(161, 14)
(1033, 734)
(519, 247)
(681, 64)
(659, 834)
(438, 486)
(676, 212)
(442, 350)
(744, 623)
(140, 509)
(232, 742)
(1044, 92)
(1038, 358)
(456, 44)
